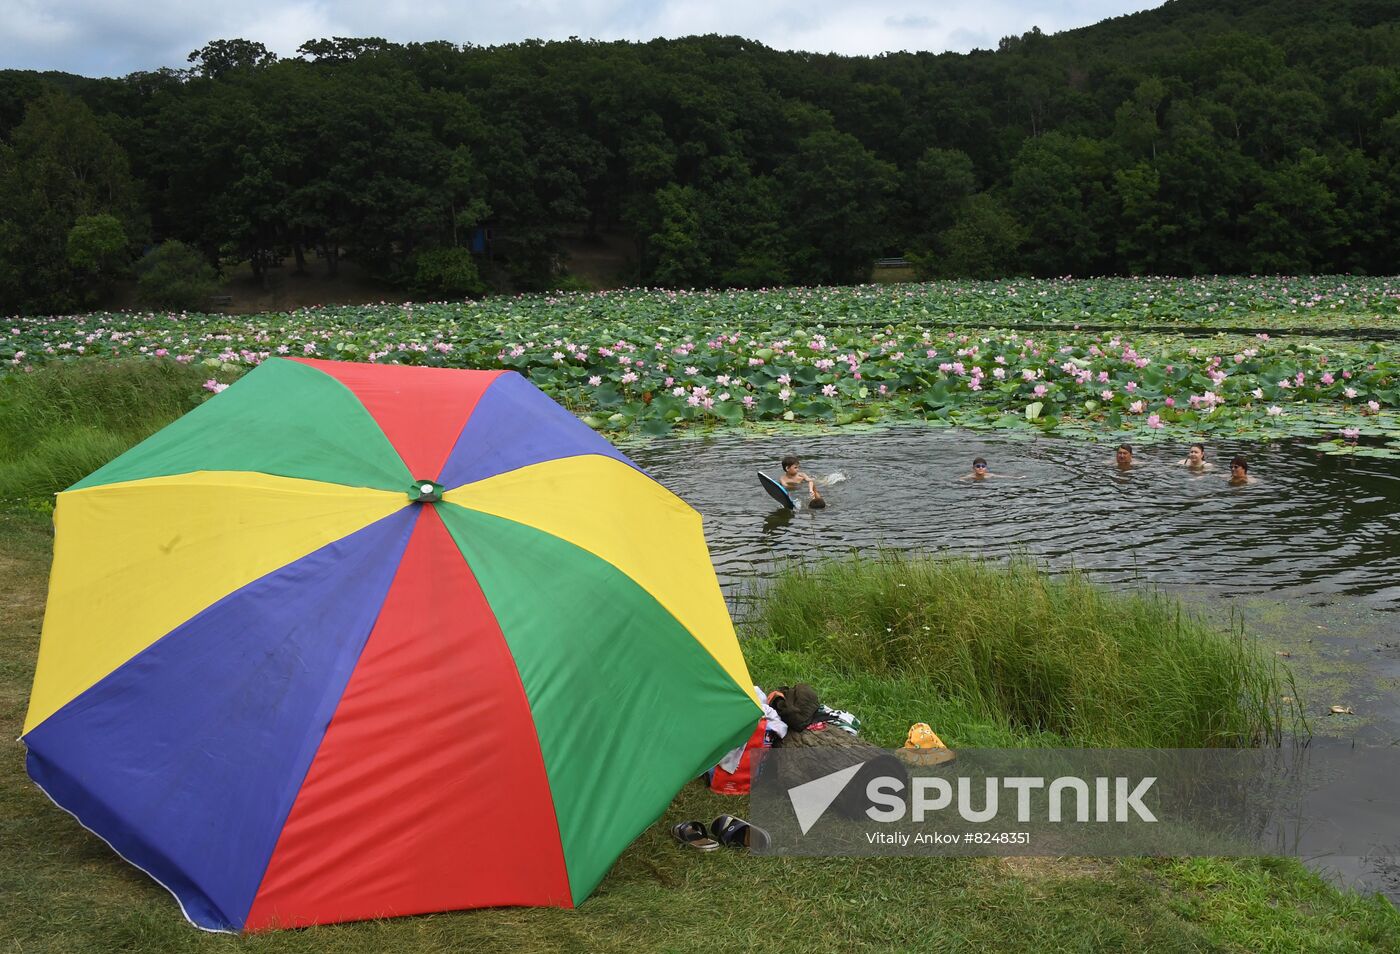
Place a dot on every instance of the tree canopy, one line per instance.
(1205, 136)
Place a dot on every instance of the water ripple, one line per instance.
(1312, 524)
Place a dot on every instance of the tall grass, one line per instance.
(66, 419)
(1036, 653)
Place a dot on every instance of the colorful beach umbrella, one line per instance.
(352, 641)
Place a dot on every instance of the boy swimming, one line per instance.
(792, 477)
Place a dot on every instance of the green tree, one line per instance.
(938, 191)
(1059, 190)
(97, 250)
(60, 167)
(218, 58)
(448, 273)
(837, 197)
(174, 275)
(985, 242)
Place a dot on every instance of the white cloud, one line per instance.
(104, 37)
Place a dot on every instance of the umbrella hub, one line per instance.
(425, 491)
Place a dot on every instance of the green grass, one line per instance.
(60, 423)
(1013, 655)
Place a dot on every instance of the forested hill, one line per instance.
(1203, 136)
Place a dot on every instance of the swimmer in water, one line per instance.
(1239, 472)
(818, 502)
(1195, 459)
(793, 478)
(1123, 457)
(980, 471)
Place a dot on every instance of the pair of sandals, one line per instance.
(724, 830)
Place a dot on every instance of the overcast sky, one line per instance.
(116, 37)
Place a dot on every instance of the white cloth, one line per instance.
(772, 722)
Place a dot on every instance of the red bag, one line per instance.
(737, 783)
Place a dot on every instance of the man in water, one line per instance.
(1239, 472)
(1195, 459)
(980, 471)
(1123, 456)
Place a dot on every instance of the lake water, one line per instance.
(1311, 526)
(1308, 556)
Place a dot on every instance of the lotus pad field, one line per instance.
(1109, 359)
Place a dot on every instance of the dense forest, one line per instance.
(1206, 136)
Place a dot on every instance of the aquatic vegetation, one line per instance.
(948, 353)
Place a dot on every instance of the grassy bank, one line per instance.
(60, 424)
(1015, 656)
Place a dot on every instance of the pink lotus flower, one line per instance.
(829, 390)
(595, 380)
(748, 400)
(1327, 378)
(1155, 422)
(1170, 402)
(160, 352)
(1106, 394)
(1350, 393)
(1351, 433)
(629, 377)
(1274, 410)
(1373, 406)
(215, 386)
(1040, 390)
(1137, 407)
